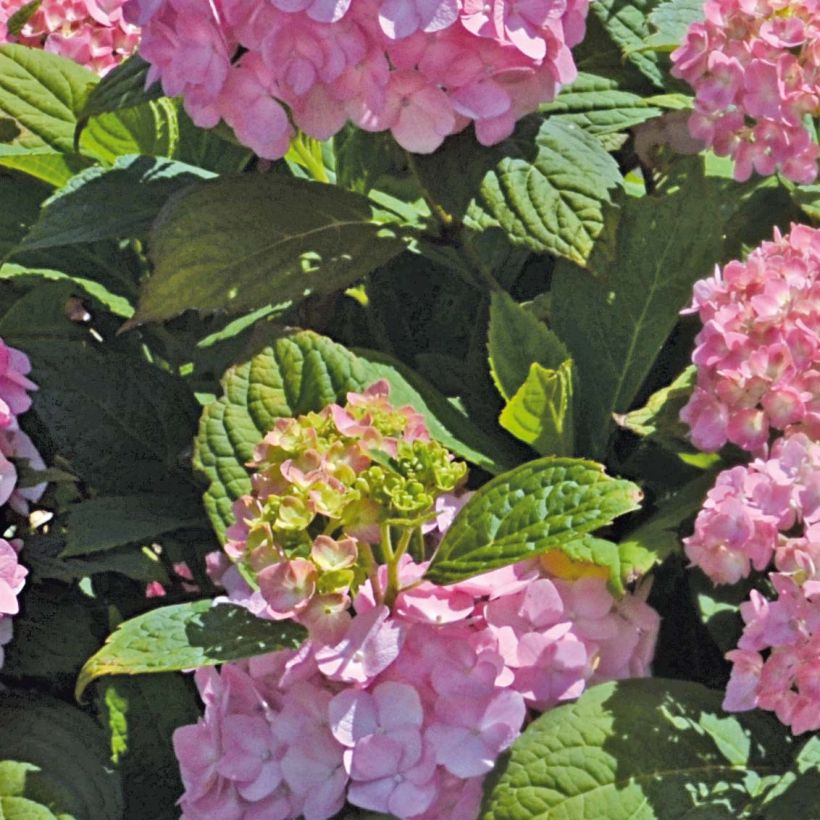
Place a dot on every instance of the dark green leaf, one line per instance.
(599, 106)
(20, 200)
(615, 329)
(187, 636)
(140, 715)
(144, 419)
(527, 511)
(659, 418)
(56, 630)
(110, 521)
(547, 187)
(719, 608)
(660, 535)
(18, 20)
(639, 749)
(55, 756)
(239, 243)
(796, 794)
(115, 203)
(124, 87)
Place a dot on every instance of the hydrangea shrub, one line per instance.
(426, 409)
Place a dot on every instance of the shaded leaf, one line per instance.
(140, 715)
(515, 340)
(615, 329)
(111, 521)
(123, 87)
(239, 243)
(55, 756)
(110, 203)
(144, 418)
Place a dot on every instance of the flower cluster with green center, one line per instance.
(335, 494)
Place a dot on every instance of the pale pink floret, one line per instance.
(12, 578)
(372, 642)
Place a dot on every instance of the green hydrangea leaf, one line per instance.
(599, 106)
(516, 339)
(109, 203)
(123, 87)
(111, 521)
(42, 93)
(150, 128)
(659, 418)
(187, 636)
(642, 749)
(659, 536)
(238, 243)
(140, 715)
(615, 328)
(540, 506)
(54, 762)
(670, 21)
(540, 413)
(547, 187)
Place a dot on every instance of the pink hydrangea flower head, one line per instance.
(754, 69)
(93, 33)
(775, 666)
(758, 352)
(377, 63)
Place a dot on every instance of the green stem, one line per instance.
(372, 572)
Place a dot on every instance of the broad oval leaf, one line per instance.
(187, 636)
(638, 750)
(540, 506)
(547, 187)
(110, 521)
(614, 329)
(243, 242)
(42, 93)
(54, 762)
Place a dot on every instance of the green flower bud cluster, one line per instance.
(355, 475)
